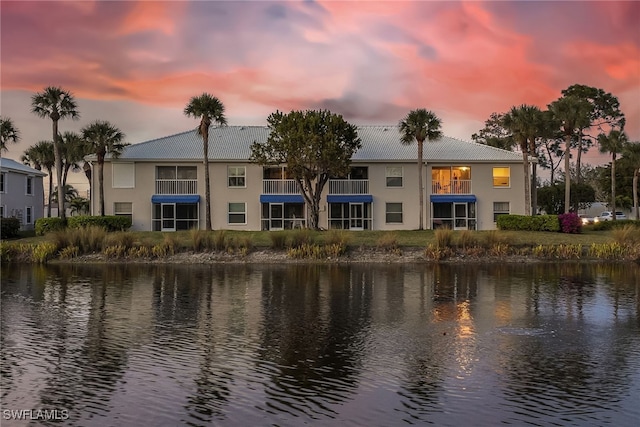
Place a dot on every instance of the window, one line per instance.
(500, 208)
(123, 175)
(394, 176)
(29, 189)
(501, 177)
(3, 177)
(236, 176)
(177, 172)
(123, 209)
(1, 211)
(237, 213)
(394, 213)
(28, 217)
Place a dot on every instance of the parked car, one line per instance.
(608, 216)
(586, 219)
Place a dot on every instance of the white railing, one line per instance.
(176, 186)
(280, 186)
(348, 186)
(456, 186)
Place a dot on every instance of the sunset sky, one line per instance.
(137, 63)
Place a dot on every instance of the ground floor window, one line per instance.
(28, 218)
(393, 213)
(123, 209)
(283, 216)
(237, 213)
(350, 216)
(453, 216)
(175, 216)
(500, 208)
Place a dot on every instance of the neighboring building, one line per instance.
(160, 185)
(21, 192)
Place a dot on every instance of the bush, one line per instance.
(570, 223)
(300, 237)
(444, 238)
(529, 223)
(201, 239)
(109, 223)
(337, 237)
(47, 225)
(626, 236)
(9, 227)
(619, 223)
(278, 239)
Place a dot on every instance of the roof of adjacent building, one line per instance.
(12, 165)
(379, 143)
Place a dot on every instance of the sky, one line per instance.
(137, 63)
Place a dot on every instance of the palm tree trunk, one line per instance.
(50, 193)
(420, 185)
(57, 151)
(534, 188)
(567, 174)
(579, 158)
(101, 185)
(207, 188)
(636, 172)
(527, 183)
(613, 185)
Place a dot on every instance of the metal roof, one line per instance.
(12, 165)
(379, 143)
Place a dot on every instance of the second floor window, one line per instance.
(501, 177)
(394, 176)
(3, 177)
(177, 172)
(237, 176)
(29, 190)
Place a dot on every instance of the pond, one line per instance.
(359, 345)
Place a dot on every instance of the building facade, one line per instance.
(21, 193)
(160, 185)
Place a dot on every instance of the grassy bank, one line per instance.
(440, 245)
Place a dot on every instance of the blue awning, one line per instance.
(350, 198)
(281, 198)
(452, 198)
(175, 198)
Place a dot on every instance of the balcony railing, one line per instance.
(348, 186)
(456, 186)
(176, 186)
(280, 186)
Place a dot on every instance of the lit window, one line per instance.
(237, 213)
(394, 176)
(394, 213)
(500, 208)
(501, 177)
(237, 176)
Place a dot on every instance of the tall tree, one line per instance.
(74, 149)
(613, 143)
(572, 114)
(210, 110)
(41, 156)
(314, 145)
(631, 154)
(420, 125)
(604, 114)
(103, 139)
(494, 133)
(56, 104)
(8, 133)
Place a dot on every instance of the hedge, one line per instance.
(47, 225)
(528, 223)
(9, 227)
(109, 223)
(618, 223)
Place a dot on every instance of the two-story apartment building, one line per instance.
(160, 184)
(21, 192)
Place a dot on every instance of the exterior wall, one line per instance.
(15, 200)
(222, 194)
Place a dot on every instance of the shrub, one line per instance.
(528, 223)
(570, 223)
(466, 239)
(43, 252)
(69, 252)
(388, 242)
(220, 240)
(47, 225)
(87, 239)
(619, 223)
(201, 240)
(115, 251)
(109, 223)
(337, 237)
(627, 236)
(493, 237)
(9, 227)
(300, 237)
(120, 238)
(444, 237)
(278, 239)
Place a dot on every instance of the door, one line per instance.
(168, 217)
(356, 216)
(459, 216)
(276, 213)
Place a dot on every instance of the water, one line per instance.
(322, 345)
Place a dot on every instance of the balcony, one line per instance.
(280, 186)
(176, 186)
(348, 186)
(456, 186)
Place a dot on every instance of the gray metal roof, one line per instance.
(379, 143)
(12, 165)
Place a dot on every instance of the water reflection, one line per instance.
(360, 345)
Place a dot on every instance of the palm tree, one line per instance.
(103, 138)
(74, 149)
(79, 205)
(42, 156)
(209, 109)
(613, 143)
(572, 114)
(631, 151)
(69, 191)
(56, 104)
(420, 125)
(525, 123)
(8, 133)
